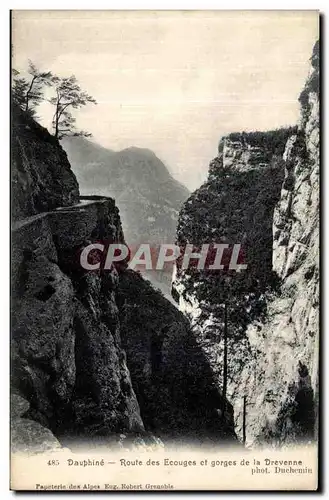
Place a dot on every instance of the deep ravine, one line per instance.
(262, 192)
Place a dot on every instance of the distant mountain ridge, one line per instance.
(148, 197)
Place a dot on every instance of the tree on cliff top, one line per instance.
(29, 93)
(19, 88)
(68, 96)
(39, 80)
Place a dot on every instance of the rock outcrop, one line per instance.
(67, 357)
(28, 435)
(262, 192)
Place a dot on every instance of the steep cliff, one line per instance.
(262, 192)
(42, 178)
(67, 357)
(82, 366)
(147, 195)
(289, 339)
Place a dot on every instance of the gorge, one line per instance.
(102, 356)
(263, 191)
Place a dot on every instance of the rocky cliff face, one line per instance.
(67, 355)
(262, 192)
(94, 354)
(42, 178)
(289, 339)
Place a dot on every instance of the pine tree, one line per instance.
(68, 96)
(19, 89)
(29, 93)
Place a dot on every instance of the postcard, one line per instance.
(165, 250)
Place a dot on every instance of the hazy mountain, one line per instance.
(147, 195)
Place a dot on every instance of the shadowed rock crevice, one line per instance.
(174, 383)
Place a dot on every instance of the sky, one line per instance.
(174, 82)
